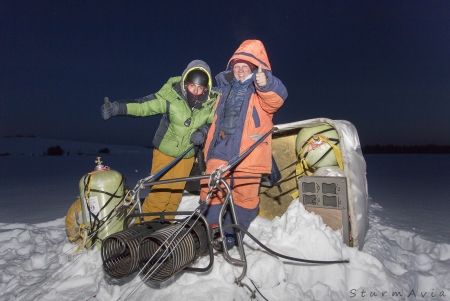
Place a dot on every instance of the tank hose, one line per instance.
(281, 255)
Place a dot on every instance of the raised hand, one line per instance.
(109, 109)
(260, 77)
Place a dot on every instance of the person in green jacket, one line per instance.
(186, 104)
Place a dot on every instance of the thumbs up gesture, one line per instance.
(261, 78)
(109, 109)
(107, 103)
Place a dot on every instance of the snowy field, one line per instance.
(406, 255)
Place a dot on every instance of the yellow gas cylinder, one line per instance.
(100, 191)
(317, 145)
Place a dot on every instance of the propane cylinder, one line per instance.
(100, 191)
(316, 152)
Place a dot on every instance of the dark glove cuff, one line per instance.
(122, 108)
(204, 129)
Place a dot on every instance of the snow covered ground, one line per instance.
(406, 255)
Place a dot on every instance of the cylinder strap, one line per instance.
(302, 165)
(302, 168)
(84, 233)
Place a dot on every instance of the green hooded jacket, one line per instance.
(173, 135)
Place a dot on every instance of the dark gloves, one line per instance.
(198, 137)
(109, 109)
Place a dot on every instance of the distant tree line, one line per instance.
(58, 151)
(19, 136)
(55, 151)
(406, 149)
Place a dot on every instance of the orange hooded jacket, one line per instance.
(256, 113)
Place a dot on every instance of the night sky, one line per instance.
(382, 65)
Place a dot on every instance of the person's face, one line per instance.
(241, 71)
(195, 89)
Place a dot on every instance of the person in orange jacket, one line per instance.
(250, 95)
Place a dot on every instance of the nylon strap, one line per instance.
(302, 167)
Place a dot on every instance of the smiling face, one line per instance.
(241, 71)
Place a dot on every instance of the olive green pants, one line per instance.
(166, 197)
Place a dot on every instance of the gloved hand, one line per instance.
(198, 138)
(109, 109)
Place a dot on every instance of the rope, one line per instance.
(257, 289)
(77, 248)
(48, 264)
(242, 284)
(52, 276)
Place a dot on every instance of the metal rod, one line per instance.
(243, 262)
(169, 166)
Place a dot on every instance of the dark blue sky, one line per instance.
(382, 65)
